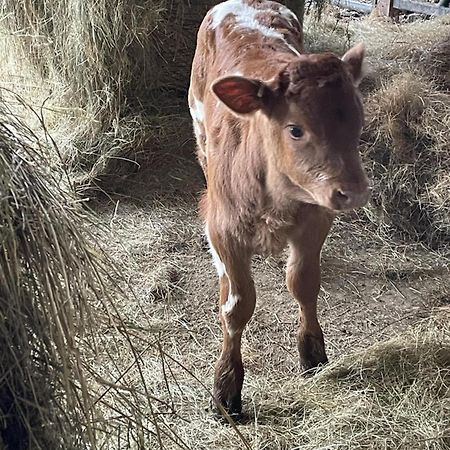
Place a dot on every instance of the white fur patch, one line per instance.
(245, 17)
(231, 303)
(221, 270)
(197, 111)
(197, 129)
(227, 308)
(220, 266)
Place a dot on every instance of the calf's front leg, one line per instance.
(303, 281)
(236, 307)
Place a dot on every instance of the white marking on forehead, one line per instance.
(231, 303)
(197, 111)
(220, 266)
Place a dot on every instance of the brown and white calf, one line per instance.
(277, 133)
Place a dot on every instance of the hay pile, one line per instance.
(407, 145)
(101, 71)
(47, 274)
(59, 324)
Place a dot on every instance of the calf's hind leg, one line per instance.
(236, 307)
(303, 281)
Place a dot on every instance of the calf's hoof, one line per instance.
(312, 354)
(231, 406)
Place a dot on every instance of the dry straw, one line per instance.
(52, 292)
(47, 274)
(394, 394)
(107, 74)
(407, 143)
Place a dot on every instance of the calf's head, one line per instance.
(310, 119)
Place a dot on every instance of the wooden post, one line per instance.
(386, 7)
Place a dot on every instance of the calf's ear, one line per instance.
(242, 95)
(354, 59)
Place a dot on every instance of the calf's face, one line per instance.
(310, 119)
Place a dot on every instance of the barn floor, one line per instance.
(371, 290)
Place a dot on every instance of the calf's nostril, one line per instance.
(342, 197)
(348, 199)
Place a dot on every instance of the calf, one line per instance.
(277, 133)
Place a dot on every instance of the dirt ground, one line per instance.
(371, 290)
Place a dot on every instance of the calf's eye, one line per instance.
(295, 132)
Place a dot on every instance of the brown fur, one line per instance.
(266, 189)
